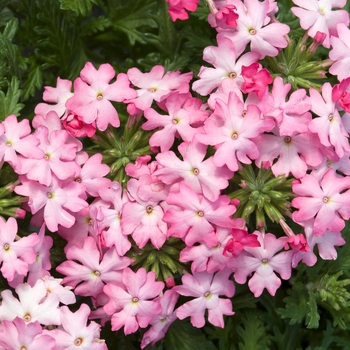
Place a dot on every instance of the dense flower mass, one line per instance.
(162, 220)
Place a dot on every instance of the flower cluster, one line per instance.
(179, 202)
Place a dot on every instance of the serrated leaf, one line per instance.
(9, 101)
(312, 317)
(183, 336)
(252, 333)
(129, 18)
(78, 6)
(33, 82)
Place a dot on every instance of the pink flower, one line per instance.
(156, 85)
(226, 17)
(263, 261)
(317, 16)
(200, 175)
(251, 28)
(93, 93)
(226, 66)
(15, 138)
(76, 126)
(340, 52)
(233, 138)
(130, 304)
(93, 270)
(59, 95)
(324, 200)
(33, 305)
(328, 125)
(74, 332)
(20, 335)
(341, 96)
(160, 323)
(56, 199)
(196, 217)
(206, 288)
(15, 255)
(240, 239)
(255, 81)
(177, 8)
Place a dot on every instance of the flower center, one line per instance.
(234, 135)
(328, 163)
(252, 31)
(149, 209)
(78, 179)
(152, 89)
(244, 113)
(207, 295)
(325, 199)
(23, 348)
(321, 11)
(135, 300)
(264, 261)
(200, 213)
(6, 246)
(287, 139)
(27, 317)
(195, 171)
(8, 143)
(330, 117)
(47, 156)
(99, 96)
(232, 75)
(49, 195)
(97, 273)
(78, 341)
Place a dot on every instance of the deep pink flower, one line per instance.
(239, 240)
(341, 95)
(76, 126)
(254, 80)
(177, 8)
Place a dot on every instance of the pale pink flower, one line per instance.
(93, 271)
(196, 217)
(324, 200)
(265, 38)
(206, 288)
(318, 16)
(58, 95)
(130, 303)
(263, 261)
(93, 93)
(156, 85)
(21, 335)
(15, 138)
(74, 333)
(233, 139)
(15, 255)
(34, 304)
(340, 52)
(160, 323)
(200, 175)
(226, 64)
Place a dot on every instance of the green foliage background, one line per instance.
(43, 39)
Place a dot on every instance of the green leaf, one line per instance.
(183, 336)
(82, 7)
(33, 82)
(313, 317)
(253, 333)
(9, 102)
(132, 17)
